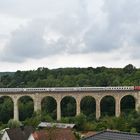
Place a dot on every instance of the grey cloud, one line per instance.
(122, 26)
(28, 42)
(102, 40)
(84, 30)
(25, 42)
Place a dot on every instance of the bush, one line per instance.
(13, 123)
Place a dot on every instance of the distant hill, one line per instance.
(6, 73)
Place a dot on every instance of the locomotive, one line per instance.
(136, 87)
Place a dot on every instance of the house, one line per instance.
(17, 133)
(53, 134)
(2, 132)
(113, 135)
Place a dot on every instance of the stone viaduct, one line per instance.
(78, 93)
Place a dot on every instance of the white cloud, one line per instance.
(42, 29)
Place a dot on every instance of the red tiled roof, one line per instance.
(40, 135)
(54, 134)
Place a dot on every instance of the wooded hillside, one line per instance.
(72, 77)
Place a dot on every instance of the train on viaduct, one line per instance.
(78, 93)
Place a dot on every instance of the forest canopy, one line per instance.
(72, 77)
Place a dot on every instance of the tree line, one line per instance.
(72, 77)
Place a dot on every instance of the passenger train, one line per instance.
(70, 89)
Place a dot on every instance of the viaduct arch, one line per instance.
(98, 93)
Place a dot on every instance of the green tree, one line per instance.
(129, 69)
(49, 106)
(6, 109)
(68, 106)
(26, 107)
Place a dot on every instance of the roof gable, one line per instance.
(5, 136)
(19, 134)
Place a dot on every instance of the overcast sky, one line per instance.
(69, 33)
